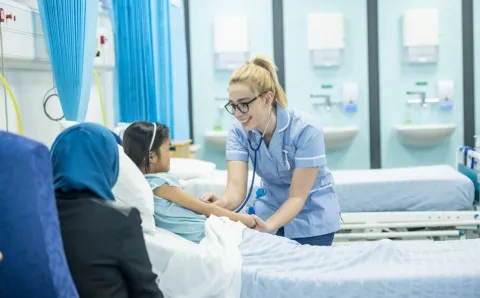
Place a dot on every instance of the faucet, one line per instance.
(327, 97)
(423, 96)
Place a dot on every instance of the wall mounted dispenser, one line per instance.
(421, 35)
(231, 41)
(326, 38)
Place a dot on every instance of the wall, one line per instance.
(302, 79)
(30, 85)
(179, 71)
(29, 88)
(397, 77)
(206, 82)
(476, 42)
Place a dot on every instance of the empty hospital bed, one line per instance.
(434, 202)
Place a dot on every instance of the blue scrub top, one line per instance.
(297, 142)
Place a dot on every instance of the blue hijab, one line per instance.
(85, 157)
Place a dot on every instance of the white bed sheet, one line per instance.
(428, 188)
(211, 268)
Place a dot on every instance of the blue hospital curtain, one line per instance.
(70, 34)
(134, 60)
(144, 84)
(163, 61)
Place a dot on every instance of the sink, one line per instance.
(339, 136)
(335, 137)
(217, 139)
(424, 135)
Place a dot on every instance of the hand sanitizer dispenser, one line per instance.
(445, 94)
(326, 38)
(421, 35)
(231, 41)
(350, 96)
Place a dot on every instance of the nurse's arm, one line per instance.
(236, 188)
(302, 182)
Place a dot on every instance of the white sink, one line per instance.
(335, 137)
(424, 135)
(216, 139)
(339, 136)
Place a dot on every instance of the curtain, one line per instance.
(143, 51)
(163, 61)
(70, 34)
(134, 60)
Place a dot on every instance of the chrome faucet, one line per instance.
(423, 97)
(327, 97)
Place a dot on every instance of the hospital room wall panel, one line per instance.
(32, 81)
(207, 83)
(396, 77)
(303, 79)
(31, 86)
(475, 78)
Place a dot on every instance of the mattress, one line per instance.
(275, 267)
(427, 188)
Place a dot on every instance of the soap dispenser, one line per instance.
(445, 94)
(350, 96)
(217, 126)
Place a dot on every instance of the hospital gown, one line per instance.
(173, 217)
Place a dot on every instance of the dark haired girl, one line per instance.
(148, 146)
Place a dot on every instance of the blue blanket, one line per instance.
(275, 267)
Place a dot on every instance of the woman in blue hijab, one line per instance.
(103, 243)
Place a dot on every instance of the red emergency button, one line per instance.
(102, 39)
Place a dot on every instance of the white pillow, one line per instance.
(133, 190)
(64, 124)
(188, 168)
(120, 129)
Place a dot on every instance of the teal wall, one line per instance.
(396, 77)
(476, 32)
(207, 83)
(302, 79)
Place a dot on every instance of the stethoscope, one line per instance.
(255, 150)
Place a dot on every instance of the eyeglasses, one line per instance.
(243, 107)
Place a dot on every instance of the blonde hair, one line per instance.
(261, 73)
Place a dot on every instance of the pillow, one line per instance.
(64, 124)
(187, 168)
(133, 190)
(120, 129)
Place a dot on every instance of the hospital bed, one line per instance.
(240, 263)
(428, 202)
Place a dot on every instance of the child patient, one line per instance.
(148, 146)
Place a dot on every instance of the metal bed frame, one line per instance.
(423, 225)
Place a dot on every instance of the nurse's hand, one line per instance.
(247, 220)
(261, 225)
(212, 198)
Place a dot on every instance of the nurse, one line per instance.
(299, 201)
